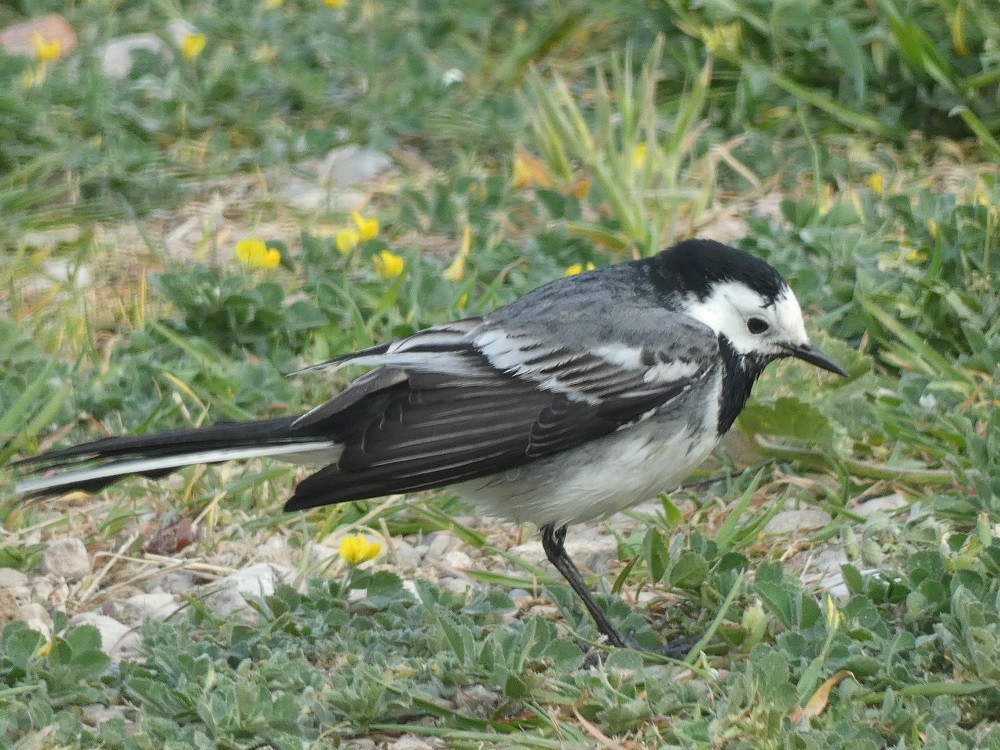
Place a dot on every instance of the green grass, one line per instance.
(868, 128)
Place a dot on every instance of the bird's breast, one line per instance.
(611, 473)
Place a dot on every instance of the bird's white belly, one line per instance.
(600, 477)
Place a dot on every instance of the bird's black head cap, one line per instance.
(692, 267)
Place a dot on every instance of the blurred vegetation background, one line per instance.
(198, 198)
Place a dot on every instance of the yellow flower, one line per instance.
(932, 227)
(456, 271)
(639, 154)
(272, 4)
(980, 195)
(576, 268)
(388, 265)
(46, 51)
(334, 3)
(367, 228)
(346, 239)
(876, 182)
(44, 650)
(254, 253)
(192, 45)
(521, 176)
(356, 549)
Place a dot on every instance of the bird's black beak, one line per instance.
(812, 355)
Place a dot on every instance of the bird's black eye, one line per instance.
(757, 325)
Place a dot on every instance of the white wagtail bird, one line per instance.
(583, 397)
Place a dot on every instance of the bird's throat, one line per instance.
(740, 372)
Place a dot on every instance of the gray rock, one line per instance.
(457, 560)
(453, 583)
(229, 594)
(37, 618)
(276, 549)
(95, 714)
(116, 57)
(801, 519)
(588, 548)
(477, 700)
(409, 742)
(886, 504)
(67, 558)
(15, 582)
(161, 606)
(180, 28)
(51, 589)
(439, 544)
(405, 554)
(350, 165)
(172, 582)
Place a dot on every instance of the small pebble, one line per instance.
(137, 608)
(439, 544)
(801, 519)
(229, 594)
(887, 504)
(67, 558)
(37, 618)
(15, 582)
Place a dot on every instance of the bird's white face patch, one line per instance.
(752, 323)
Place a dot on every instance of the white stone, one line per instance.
(229, 594)
(886, 504)
(172, 582)
(800, 519)
(439, 544)
(276, 549)
(180, 28)
(37, 618)
(15, 582)
(67, 558)
(588, 549)
(118, 640)
(453, 583)
(409, 742)
(153, 606)
(95, 714)
(458, 561)
(405, 554)
(116, 57)
(51, 589)
(349, 165)
(477, 700)
(322, 555)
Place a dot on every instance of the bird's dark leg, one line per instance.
(553, 542)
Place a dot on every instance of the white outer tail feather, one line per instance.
(307, 451)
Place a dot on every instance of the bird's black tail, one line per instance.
(93, 466)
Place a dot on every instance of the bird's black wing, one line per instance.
(474, 398)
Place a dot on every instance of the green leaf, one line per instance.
(847, 47)
(656, 553)
(788, 417)
(690, 571)
(777, 600)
